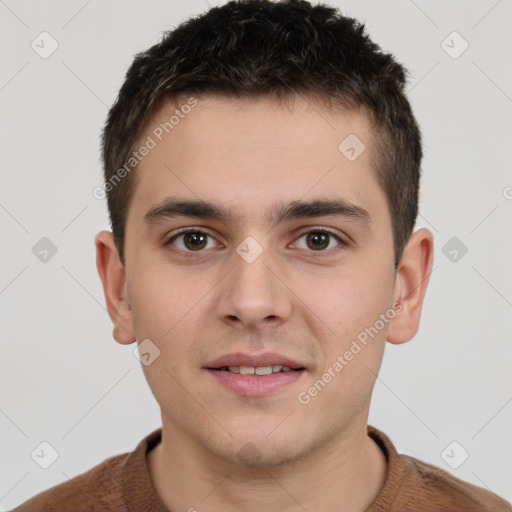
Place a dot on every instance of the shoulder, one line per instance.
(438, 490)
(415, 486)
(97, 489)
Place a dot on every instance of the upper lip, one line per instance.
(241, 359)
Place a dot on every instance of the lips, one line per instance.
(241, 359)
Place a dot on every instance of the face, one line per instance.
(294, 258)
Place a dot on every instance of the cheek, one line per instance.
(164, 311)
(349, 301)
(353, 353)
(165, 302)
(352, 307)
(169, 308)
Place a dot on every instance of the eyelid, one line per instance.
(322, 229)
(190, 229)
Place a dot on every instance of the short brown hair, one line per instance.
(251, 48)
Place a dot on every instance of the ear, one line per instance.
(112, 275)
(412, 276)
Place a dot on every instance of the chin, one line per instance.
(251, 456)
(258, 451)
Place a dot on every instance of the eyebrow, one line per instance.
(173, 207)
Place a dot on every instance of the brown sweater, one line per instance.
(123, 483)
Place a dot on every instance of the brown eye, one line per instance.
(319, 240)
(192, 241)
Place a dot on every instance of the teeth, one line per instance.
(263, 370)
(257, 370)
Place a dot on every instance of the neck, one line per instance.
(343, 475)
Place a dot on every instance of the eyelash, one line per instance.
(195, 254)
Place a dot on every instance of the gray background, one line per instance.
(64, 380)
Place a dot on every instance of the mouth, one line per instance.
(255, 376)
(257, 370)
(267, 362)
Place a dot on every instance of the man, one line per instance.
(262, 170)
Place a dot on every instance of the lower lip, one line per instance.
(256, 385)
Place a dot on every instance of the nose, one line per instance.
(253, 296)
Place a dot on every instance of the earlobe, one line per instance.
(412, 277)
(113, 279)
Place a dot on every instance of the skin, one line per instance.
(306, 303)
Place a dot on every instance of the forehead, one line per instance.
(256, 151)
(296, 123)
